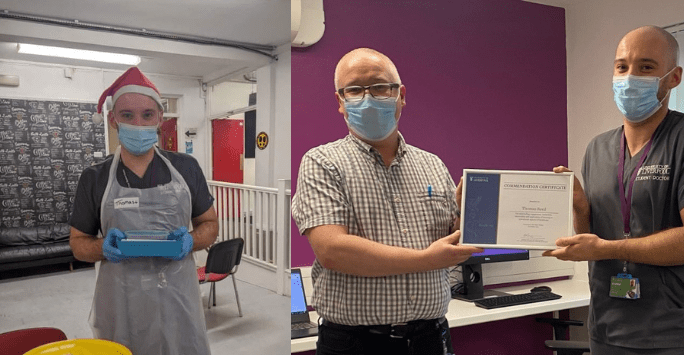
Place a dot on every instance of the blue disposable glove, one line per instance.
(109, 247)
(185, 238)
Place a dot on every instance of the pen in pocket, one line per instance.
(429, 190)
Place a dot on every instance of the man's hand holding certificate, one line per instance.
(516, 209)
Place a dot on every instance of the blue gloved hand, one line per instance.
(110, 247)
(186, 239)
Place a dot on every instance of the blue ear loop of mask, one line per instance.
(137, 139)
(372, 119)
(637, 96)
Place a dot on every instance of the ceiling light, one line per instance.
(78, 54)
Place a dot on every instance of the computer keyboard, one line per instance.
(514, 300)
(303, 325)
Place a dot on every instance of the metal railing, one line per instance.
(259, 215)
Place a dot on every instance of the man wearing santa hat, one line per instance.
(151, 305)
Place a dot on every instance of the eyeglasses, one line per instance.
(357, 93)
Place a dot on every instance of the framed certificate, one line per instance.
(515, 209)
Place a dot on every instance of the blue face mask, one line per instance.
(372, 119)
(137, 139)
(637, 96)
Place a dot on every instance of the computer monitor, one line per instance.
(473, 287)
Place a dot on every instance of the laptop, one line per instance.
(301, 324)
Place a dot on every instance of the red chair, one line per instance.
(17, 342)
(223, 261)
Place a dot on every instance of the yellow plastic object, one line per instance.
(81, 347)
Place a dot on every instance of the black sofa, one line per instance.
(35, 246)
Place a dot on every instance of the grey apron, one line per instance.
(151, 304)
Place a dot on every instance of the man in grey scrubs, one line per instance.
(629, 215)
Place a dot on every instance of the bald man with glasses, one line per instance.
(381, 217)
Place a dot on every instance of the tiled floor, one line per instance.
(56, 297)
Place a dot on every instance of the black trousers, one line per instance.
(425, 337)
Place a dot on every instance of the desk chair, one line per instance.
(17, 342)
(563, 345)
(223, 260)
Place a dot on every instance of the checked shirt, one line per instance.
(346, 183)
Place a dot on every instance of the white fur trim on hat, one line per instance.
(138, 89)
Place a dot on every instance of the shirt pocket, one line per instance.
(435, 208)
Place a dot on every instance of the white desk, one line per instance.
(575, 294)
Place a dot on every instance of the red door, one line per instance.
(228, 138)
(169, 136)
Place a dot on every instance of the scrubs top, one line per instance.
(656, 320)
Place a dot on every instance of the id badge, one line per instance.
(625, 286)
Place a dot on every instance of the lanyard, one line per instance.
(626, 201)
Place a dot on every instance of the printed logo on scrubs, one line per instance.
(126, 202)
(654, 173)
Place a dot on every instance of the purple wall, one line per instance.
(485, 82)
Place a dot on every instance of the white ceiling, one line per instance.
(262, 22)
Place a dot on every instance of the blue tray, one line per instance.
(147, 234)
(149, 243)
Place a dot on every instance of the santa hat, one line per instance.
(132, 81)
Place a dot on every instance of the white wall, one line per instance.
(47, 82)
(228, 96)
(273, 117)
(593, 30)
(41, 81)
